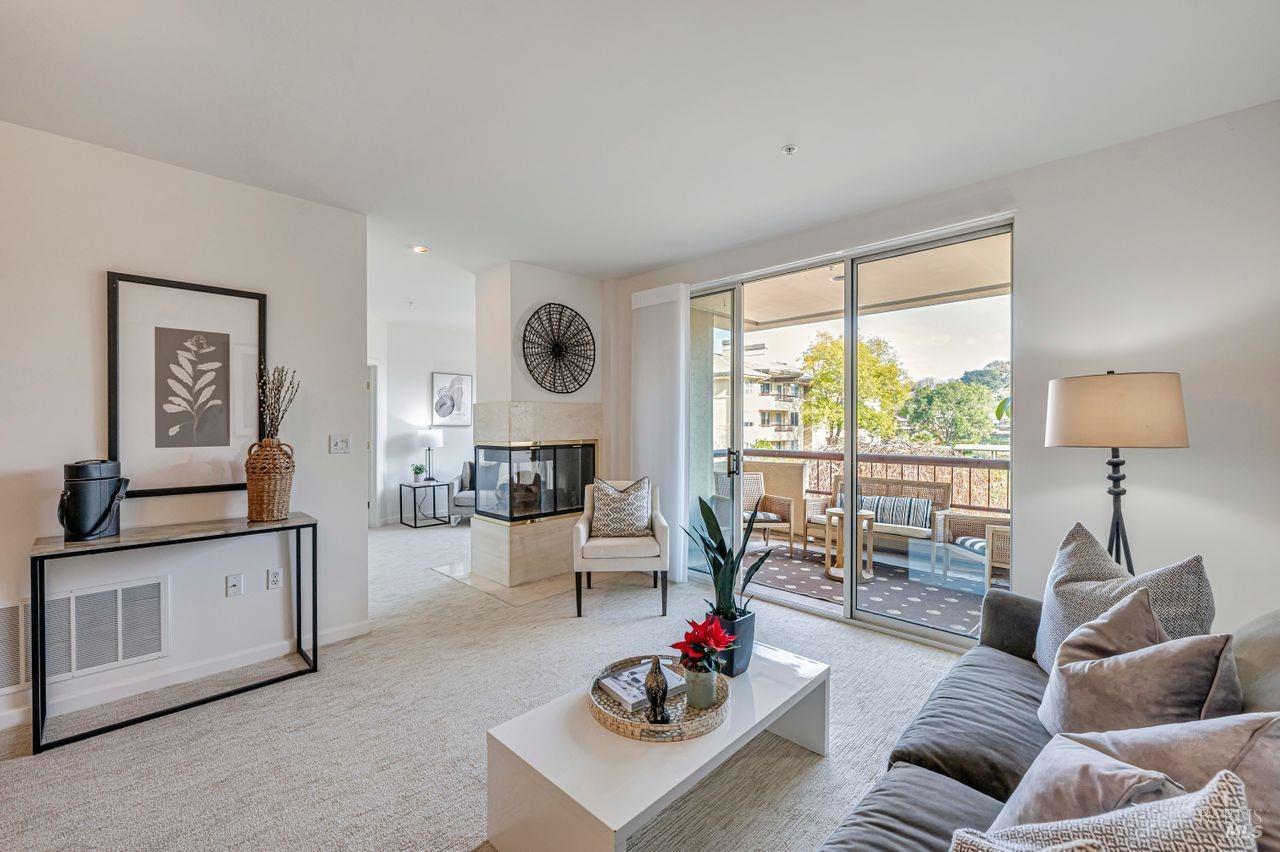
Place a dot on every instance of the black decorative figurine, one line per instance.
(655, 686)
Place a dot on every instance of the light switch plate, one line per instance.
(235, 585)
(339, 445)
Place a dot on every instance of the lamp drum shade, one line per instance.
(1116, 410)
(431, 437)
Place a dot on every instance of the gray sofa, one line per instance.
(957, 762)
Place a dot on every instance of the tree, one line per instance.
(994, 376)
(762, 444)
(958, 412)
(883, 385)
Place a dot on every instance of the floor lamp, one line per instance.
(430, 438)
(1115, 410)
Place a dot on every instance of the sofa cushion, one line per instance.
(899, 511)
(1257, 647)
(465, 498)
(979, 726)
(1120, 671)
(764, 517)
(1085, 582)
(973, 544)
(1069, 780)
(912, 808)
(899, 529)
(620, 547)
(1216, 818)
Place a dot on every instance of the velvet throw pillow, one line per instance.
(1214, 818)
(620, 514)
(1121, 671)
(1190, 753)
(1085, 582)
(1070, 780)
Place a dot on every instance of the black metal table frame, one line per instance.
(39, 695)
(434, 519)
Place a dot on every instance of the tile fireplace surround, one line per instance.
(542, 547)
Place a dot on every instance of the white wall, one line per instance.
(414, 352)
(1159, 254)
(72, 212)
(506, 297)
(376, 356)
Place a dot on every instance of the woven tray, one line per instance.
(686, 722)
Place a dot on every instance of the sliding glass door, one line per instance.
(713, 415)
(875, 438)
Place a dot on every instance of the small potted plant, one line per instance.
(700, 651)
(418, 471)
(730, 607)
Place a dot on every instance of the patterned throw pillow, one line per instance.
(621, 514)
(1085, 582)
(1216, 818)
(903, 511)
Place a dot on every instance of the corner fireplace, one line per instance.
(524, 482)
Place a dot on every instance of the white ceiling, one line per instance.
(604, 137)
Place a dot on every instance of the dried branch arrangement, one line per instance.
(276, 389)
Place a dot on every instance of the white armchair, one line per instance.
(638, 553)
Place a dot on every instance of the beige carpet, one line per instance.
(384, 748)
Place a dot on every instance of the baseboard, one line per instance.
(117, 690)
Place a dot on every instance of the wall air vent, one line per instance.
(87, 630)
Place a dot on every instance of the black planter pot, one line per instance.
(735, 661)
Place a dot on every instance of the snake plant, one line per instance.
(724, 562)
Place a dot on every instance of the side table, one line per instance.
(418, 492)
(862, 521)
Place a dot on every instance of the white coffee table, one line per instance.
(559, 781)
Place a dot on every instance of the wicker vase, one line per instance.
(269, 474)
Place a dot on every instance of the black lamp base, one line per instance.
(1118, 540)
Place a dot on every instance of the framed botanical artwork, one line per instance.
(450, 399)
(182, 383)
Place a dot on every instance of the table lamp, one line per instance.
(430, 438)
(1116, 410)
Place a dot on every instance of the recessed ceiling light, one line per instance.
(419, 249)
(789, 149)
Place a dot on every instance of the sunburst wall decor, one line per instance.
(559, 348)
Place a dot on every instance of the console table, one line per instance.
(55, 547)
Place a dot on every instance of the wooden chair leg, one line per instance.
(577, 588)
(588, 579)
(664, 592)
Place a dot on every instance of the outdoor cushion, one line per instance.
(464, 498)
(904, 511)
(973, 544)
(894, 816)
(764, 517)
(1069, 780)
(979, 726)
(620, 547)
(1216, 818)
(897, 529)
(1120, 671)
(1085, 582)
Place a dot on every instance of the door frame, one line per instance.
(920, 241)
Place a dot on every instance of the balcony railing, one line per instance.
(979, 485)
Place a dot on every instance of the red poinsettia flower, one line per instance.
(702, 641)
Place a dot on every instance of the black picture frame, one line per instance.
(113, 370)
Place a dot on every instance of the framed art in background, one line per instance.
(450, 399)
(182, 383)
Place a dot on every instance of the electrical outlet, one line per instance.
(235, 585)
(275, 578)
(339, 445)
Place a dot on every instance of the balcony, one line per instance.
(913, 578)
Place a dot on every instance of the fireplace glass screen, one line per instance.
(518, 483)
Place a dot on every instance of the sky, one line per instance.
(939, 341)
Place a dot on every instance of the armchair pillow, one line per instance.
(1085, 582)
(1216, 817)
(621, 514)
(1190, 753)
(1120, 671)
(1070, 780)
(902, 511)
